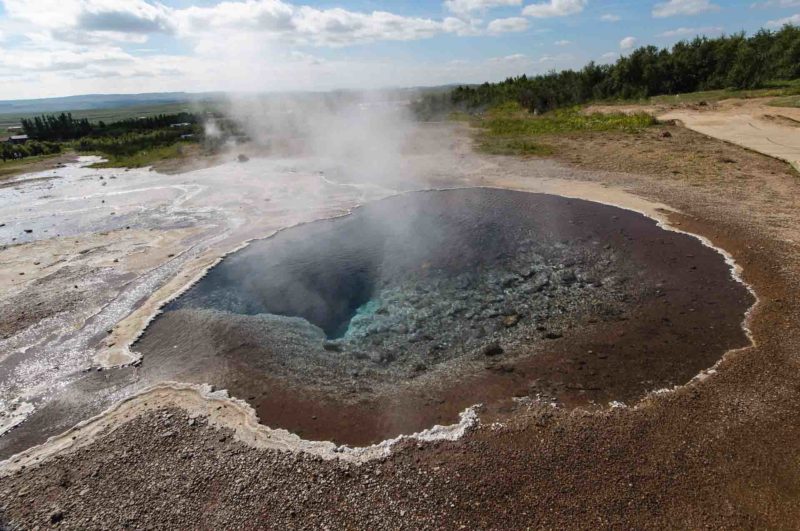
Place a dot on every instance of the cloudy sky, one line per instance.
(66, 47)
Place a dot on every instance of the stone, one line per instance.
(332, 346)
(493, 349)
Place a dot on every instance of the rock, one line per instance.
(553, 335)
(28, 231)
(493, 349)
(511, 320)
(332, 346)
(666, 134)
(568, 277)
(56, 516)
(242, 158)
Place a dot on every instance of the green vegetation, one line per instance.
(770, 90)
(734, 62)
(136, 140)
(789, 101)
(509, 129)
(110, 115)
(64, 127)
(13, 167)
(15, 152)
(146, 157)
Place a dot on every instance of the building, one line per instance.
(18, 139)
(15, 129)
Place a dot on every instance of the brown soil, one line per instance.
(719, 453)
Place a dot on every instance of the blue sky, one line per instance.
(64, 47)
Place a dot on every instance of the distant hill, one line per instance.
(99, 101)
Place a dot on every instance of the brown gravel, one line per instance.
(721, 453)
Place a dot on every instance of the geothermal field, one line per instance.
(566, 300)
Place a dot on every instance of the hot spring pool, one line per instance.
(400, 315)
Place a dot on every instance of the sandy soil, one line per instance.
(720, 452)
(751, 123)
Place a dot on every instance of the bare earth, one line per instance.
(720, 452)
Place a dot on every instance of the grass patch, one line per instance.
(14, 167)
(787, 101)
(147, 157)
(510, 130)
(774, 89)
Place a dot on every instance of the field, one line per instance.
(110, 115)
(785, 90)
(149, 157)
(510, 130)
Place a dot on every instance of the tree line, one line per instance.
(10, 151)
(727, 62)
(64, 127)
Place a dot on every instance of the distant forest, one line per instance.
(63, 127)
(727, 62)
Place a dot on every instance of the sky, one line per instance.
(68, 47)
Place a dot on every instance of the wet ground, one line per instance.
(411, 309)
(84, 249)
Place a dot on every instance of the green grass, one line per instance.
(14, 167)
(773, 89)
(510, 130)
(146, 157)
(787, 101)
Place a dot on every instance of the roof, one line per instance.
(19, 137)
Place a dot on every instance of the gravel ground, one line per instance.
(719, 453)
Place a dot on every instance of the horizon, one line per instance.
(54, 49)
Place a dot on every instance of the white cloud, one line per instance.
(506, 25)
(554, 8)
(683, 7)
(93, 21)
(308, 25)
(777, 3)
(683, 32)
(608, 17)
(563, 43)
(608, 58)
(465, 7)
(128, 16)
(794, 19)
(515, 58)
(627, 43)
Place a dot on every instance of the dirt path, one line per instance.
(751, 123)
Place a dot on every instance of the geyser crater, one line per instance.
(402, 314)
